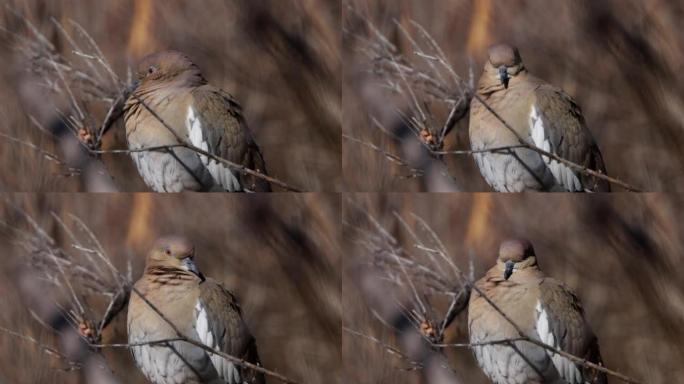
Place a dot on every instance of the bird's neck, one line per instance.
(490, 84)
(179, 84)
(189, 79)
(160, 274)
(530, 274)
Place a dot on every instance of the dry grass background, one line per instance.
(280, 59)
(620, 59)
(623, 254)
(280, 254)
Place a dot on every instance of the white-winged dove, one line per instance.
(197, 114)
(544, 309)
(541, 115)
(200, 308)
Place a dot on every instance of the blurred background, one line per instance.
(279, 254)
(620, 59)
(280, 59)
(622, 254)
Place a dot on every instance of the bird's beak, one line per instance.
(503, 75)
(508, 269)
(190, 266)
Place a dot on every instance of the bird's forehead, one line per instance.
(515, 250)
(178, 245)
(164, 59)
(503, 54)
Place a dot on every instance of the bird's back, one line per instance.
(560, 323)
(227, 135)
(568, 134)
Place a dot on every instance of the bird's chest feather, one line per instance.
(145, 324)
(499, 361)
(160, 120)
(503, 171)
(513, 107)
(487, 323)
(161, 170)
(175, 361)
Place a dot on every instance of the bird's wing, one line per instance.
(557, 126)
(219, 324)
(216, 125)
(560, 323)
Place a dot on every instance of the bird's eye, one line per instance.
(168, 252)
(152, 69)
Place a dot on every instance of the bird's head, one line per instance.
(173, 253)
(515, 255)
(167, 67)
(502, 67)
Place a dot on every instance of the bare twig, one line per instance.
(429, 76)
(390, 349)
(48, 155)
(409, 275)
(45, 348)
(413, 172)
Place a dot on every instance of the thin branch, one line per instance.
(390, 349)
(200, 151)
(114, 112)
(46, 349)
(48, 155)
(414, 172)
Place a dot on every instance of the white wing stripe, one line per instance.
(222, 175)
(566, 368)
(226, 369)
(563, 174)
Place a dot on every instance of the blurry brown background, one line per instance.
(279, 58)
(620, 59)
(623, 254)
(280, 254)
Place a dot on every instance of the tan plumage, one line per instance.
(198, 114)
(544, 309)
(540, 114)
(200, 308)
